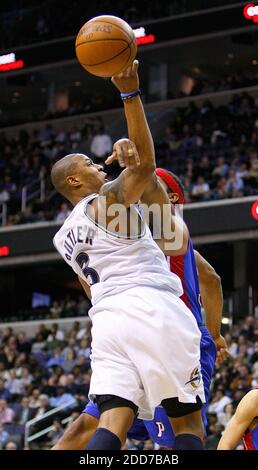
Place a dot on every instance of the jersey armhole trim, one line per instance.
(122, 237)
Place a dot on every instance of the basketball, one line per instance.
(105, 46)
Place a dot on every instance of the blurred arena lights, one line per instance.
(254, 210)
(251, 12)
(4, 250)
(9, 62)
(142, 38)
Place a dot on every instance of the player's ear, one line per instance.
(73, 181)
(173, 197)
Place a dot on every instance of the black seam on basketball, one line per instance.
(98, 40)
(128, 60)
(113, 24)
(111, 58)
(105, 61)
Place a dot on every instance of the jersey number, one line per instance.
(90, 274)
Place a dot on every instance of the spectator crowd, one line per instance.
(51, 368)
(40, 373)
(23, 22)
(87, 100)
(212, 148)
(64, 306)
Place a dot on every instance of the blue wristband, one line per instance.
(131, 94)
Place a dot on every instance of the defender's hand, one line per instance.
(127, 80)
(125, 152)
(222, 350)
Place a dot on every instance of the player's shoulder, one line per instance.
(72, 220)
(105, 187)
(65, 227)
(67, 221)
(252, 397)
(76, 212)
(248, 405)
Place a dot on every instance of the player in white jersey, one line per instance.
(145, 341)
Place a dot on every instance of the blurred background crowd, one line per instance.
(199, 87)
(51, 367)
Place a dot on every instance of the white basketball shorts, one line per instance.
(145, 348)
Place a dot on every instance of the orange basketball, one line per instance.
(105, 45)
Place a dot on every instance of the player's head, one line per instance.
(76, 176)
(172, 184)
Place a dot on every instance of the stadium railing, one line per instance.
(32, 325)
(31, 191)
(33, 437)
(3, 213)
(158, 112)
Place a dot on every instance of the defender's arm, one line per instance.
(242, 419)
(129, 186)
(212, 299)
(151, 190)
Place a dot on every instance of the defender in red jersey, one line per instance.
(243, 425)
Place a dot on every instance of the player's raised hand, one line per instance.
(125, 152)
(222, 350)
(128, 80)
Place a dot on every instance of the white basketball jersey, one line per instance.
(111, 263)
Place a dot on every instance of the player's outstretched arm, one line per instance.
(142, 179)
(139, 133)
(153, 196)
(127, 189)
(212, 300)
(242, 419)
(138, 129)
